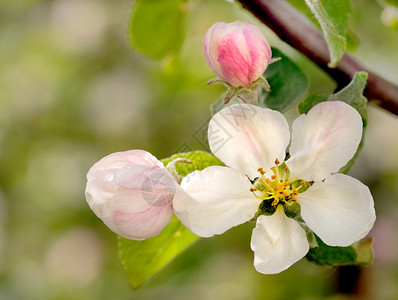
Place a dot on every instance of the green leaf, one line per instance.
(288, 83)
(200, 160)
(157, 28)
(338, 13)
(309, 102)
(333, 18)
(360, 253)
(143, 259)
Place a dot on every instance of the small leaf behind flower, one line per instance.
(200, 160)
(360, 253)
(288, 83)
(143, 259)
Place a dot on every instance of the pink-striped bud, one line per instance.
(237, 52)
(132, 193)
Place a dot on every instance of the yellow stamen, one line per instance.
(253, 190)
(276, 187)
(261, 171)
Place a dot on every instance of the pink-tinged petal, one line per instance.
(277, 242)
(339, 210)
(260, 51)
(235, 59)
(214, 200)
(132, 193)
(236, 52)
(247, 137)
(210, 46)
(324, 140)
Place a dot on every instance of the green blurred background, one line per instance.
(72, 91)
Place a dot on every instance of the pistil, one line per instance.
(277, 186)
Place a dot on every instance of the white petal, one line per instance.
(215, 199)
(339, 210)
(246, 137)
(277, 242)
(324, 140)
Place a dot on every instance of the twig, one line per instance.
(296, 30)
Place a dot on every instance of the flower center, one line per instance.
(276, 188)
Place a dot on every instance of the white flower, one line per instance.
(252, 141)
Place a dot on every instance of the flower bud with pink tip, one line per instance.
(237, 53)
(132, 193)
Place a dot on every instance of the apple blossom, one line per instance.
(238, 54)
(132, 193)
(260, 186)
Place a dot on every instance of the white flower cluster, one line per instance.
(272, 178)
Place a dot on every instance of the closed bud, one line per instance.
(132, 193)
(236, 52)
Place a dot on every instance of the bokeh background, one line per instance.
(73, 91)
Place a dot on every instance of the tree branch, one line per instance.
(295, 29)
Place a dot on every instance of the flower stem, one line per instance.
(249, 97)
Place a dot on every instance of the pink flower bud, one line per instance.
(236, 52)
(132, 193)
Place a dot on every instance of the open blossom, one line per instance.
(259, 185)
(132, 192)
(237, 52)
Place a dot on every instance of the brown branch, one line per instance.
(296, 30)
